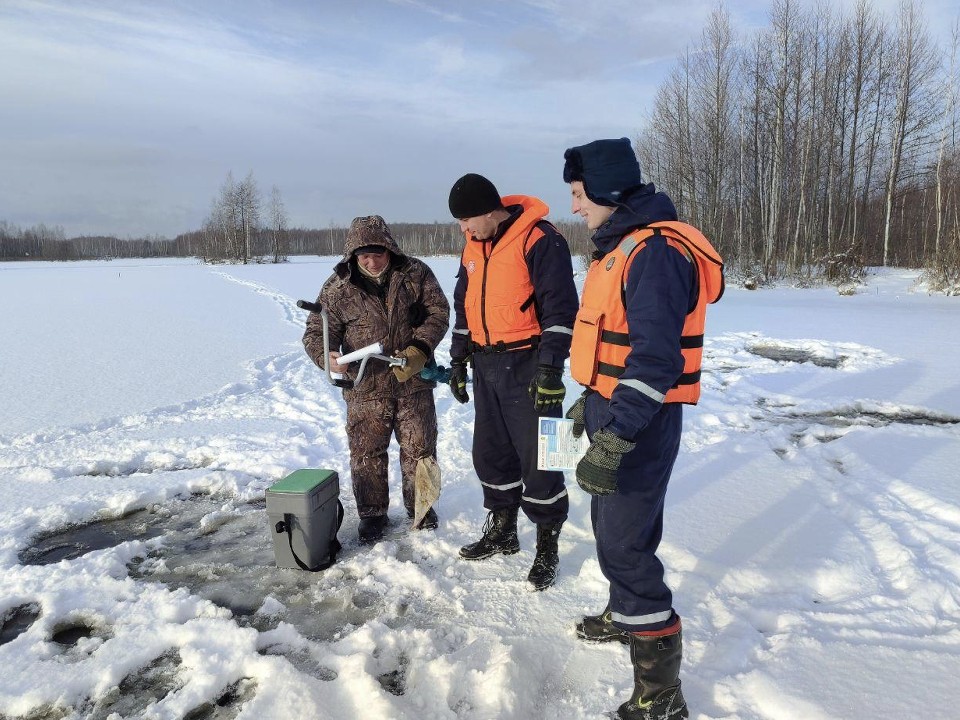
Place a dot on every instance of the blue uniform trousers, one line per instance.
(628, 524)
(505, 439)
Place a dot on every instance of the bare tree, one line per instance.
(914, 114)
(247, 208)
(948, 133)
(713, 109)
(826, 147)
(231, 229)
(278, 225)
(862, 38)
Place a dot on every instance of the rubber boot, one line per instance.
(600, 628)
(499, 536)
(544, 570)
(656, 678)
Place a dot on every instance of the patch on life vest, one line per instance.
(471, 267)
(610, 263)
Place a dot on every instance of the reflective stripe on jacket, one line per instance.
(499, 300)
(601, 336)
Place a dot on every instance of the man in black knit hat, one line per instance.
(515, 302)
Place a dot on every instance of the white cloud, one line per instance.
(446, 57)
(350, 108)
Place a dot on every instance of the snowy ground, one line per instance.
(812, 533)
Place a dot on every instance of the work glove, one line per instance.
(575, 413)
(458, 380)
(415, 362)
(546, 388)
(597, 470)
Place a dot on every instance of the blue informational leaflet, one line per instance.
(557, 448)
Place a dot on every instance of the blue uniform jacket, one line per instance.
(659, 293)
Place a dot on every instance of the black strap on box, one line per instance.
(286, 525)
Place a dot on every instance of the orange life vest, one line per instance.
(601, 339)
(499, 300)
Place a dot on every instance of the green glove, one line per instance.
(597, 470)
(547, 388)
(458, 380)
(575, 413)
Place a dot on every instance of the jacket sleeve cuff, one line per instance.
(620, 430)
(458, 346)
(547, 358)
(422, 347)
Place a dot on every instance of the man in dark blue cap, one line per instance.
(637, 345)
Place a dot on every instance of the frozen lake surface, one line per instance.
(812, 533)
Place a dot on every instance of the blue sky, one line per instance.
(125, 117)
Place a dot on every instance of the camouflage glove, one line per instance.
(547, 388)
(415, 362)
(575, 413)
(597, 470)
(458, 380)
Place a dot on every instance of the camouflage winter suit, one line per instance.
(412, 311)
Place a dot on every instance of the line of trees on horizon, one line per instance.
(241, 229)
(825, 143)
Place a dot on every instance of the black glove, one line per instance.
(597, 470)
(575, 413)
(458, 380)
(546, 388)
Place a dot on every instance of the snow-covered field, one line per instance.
(812, 532)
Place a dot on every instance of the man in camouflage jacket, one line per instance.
(378, 294)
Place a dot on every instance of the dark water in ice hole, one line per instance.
(231, 563)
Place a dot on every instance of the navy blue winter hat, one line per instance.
(607, 169)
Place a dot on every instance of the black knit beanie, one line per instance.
(607, 169)
(473, 195)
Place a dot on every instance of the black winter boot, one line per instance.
(544, 570)
(656, 678)
(371, 528)
(600, 628)
(499, 536)
(430, 521)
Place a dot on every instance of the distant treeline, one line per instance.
(824, 143)
(48, 243)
